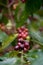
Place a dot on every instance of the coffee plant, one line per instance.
(21, 32)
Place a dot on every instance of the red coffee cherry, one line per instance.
(25, 50)
(26, 45)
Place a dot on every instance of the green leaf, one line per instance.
(23, 19)
(20, 15)
(4, 19)
(36, 36)
(11, 54)
(3, 4)
(8, 41)
(3, 36)
(32, 5)
(40, 12)
(35, 57)
(8, 61)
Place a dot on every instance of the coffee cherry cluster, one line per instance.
(22, 43)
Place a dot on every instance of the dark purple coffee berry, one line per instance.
(22, 46)
(16, 47)
(26, 45)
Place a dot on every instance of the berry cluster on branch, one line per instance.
(22, 44)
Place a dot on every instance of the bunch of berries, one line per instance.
(22, 43)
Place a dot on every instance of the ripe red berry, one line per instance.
(20, 39)
(26, 30)
(16, 47)
(19, 30)
(26, 33)
(23, 28)
(19, 35)
(22, 33)
(24, 36)
(19, 44)
(26, 45)
(25, 50)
